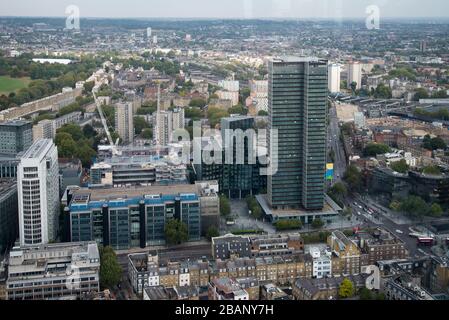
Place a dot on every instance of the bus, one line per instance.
(425, 241)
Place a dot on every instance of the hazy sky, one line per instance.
(226, 8)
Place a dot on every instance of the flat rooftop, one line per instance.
(293, 59)
(330, 208)
(133, 192)
(37, 149)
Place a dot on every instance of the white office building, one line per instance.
(334, 78)
(355, 74)
(322, 263)
(53, 271)
(38, 190)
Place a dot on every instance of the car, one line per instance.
(399, 231)
(358, 212)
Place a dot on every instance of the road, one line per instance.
(380, 219)
(334, 143)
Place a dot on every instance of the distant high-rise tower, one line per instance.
(355, 74)
(38, 190)
(149, 31)
(124, 121)
(154, 39)
(423, 46)
(334, 71)
(298, 109)
(165, 123)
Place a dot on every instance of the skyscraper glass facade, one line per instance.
(298, 110)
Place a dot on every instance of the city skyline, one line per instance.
(239, 9)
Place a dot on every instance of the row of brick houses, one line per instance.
(348, 258)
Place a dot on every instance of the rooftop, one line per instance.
(38, 149)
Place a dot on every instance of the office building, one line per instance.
(124, 121)
(236, 180)
(8, 165)
(15, 136)
(9, 214)
(334, 74)
(124, 171)
(240, 179)
(322, 262)
(131, 217)
(298, 111)
(355, 74)
(53, 271)
(38, 190)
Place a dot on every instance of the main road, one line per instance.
(335, 144)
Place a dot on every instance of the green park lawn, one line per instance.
(8, 84)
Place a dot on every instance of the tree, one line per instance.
(176, 232)
(365, 294)
(339, 190)
(433, 143)
(197, 103)
(88, 86)
(353, 87)
(420, 93)
(212, 232)
(262, 113)
(373, 149)
(140, 124)
(238, 109)
(346, 289)
(436, 210)
(317, 223)
(215, 114)
(193, 113)
(110, 269)
(439, 94)
(225, 206)
(283, 225)
(400, 166)
(414, 206)
(353, 177)
(89, 131)
(74, 130)
(432, 170)
(383, 92)
(147, 134)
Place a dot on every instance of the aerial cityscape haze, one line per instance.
(260, 151)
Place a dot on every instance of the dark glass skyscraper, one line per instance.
(298, 110)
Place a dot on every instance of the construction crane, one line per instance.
(104, 122)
